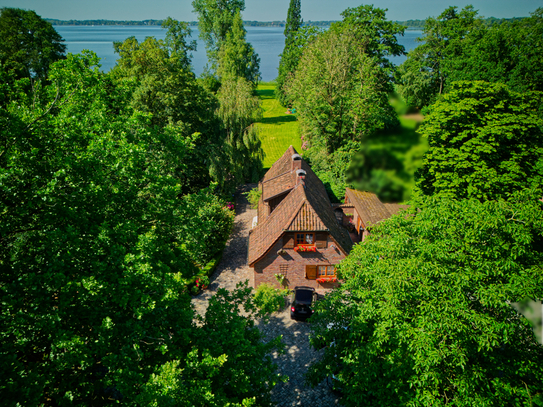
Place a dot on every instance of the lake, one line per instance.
(268, 42)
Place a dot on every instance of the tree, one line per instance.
(294, 20)
(239, 109)
(176, 41)
(97, 243)
(229, 366)
(29, 44)
(443, 44)
(161, 83)
(485, 142)
(341, 97)
(289, 58)
(424, 315)
(237, 58)
(459, 46)
(215, 21)
(375, 34)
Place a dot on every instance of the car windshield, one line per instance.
(304, 296)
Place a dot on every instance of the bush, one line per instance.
(270, 299)
(253, 196)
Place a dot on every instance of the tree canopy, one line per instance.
(215, 21)
(486, 141)
(98, 241)
(29, 44)
(424, 315)
(291, 55)
(237, 57)
(457, 45)
(340, 90)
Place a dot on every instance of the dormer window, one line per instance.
(305, 239)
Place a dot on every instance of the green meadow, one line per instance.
(278, 130)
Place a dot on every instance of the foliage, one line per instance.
(294, 20)
(239, 109)
(289, 57)
(254, 197)
(237, 58)
(158, 77)
(270, 299)
(29, 44)
(176, 41)
(277, 129)
(215, 21)
(97, 241)
(485, 140)
(387, 162)
(229, 365)
(424, 316)
(459, 46)
(341, 96)
(376, 36)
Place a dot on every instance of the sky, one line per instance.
(263, 10)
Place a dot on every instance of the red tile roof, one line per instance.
(305, 208)
(370, 209)
(394, 208)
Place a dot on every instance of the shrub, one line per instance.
(253, 196)
(270, 299)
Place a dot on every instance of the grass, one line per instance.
(278, 130)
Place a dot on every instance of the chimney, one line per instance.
(296, 162)
(300, 177)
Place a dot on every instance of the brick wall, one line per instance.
(295, 263)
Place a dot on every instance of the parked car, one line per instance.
(301, 302)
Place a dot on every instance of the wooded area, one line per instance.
(115, 190)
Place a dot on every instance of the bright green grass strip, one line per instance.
(278, 130)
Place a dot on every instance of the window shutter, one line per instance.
(321, 240)
(288, 240)
(311, 272)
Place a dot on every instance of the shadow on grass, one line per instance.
(266, 93)
(278, 119)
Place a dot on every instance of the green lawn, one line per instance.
(278, 130)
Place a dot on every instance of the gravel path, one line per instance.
(298, 355)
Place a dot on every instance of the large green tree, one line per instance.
(457, 45)
(29, 44)
(289, 58)
(237, 57)
(486, 141)
(340, 92)
(239, 109)
(215, 21)
(161, 82)
(376, 35)
(424, 316)
(97, 241)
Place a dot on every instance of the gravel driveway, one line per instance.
(298, 355)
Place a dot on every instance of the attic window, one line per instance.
(305, 239)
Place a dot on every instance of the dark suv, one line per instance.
(302, 299)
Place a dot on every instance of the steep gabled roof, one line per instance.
(281, 166)
(370, 209)
(305, 208)
(280, 178)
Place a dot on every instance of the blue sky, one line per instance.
(262, 10)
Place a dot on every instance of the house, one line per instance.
(363, 209)
(297, 235)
